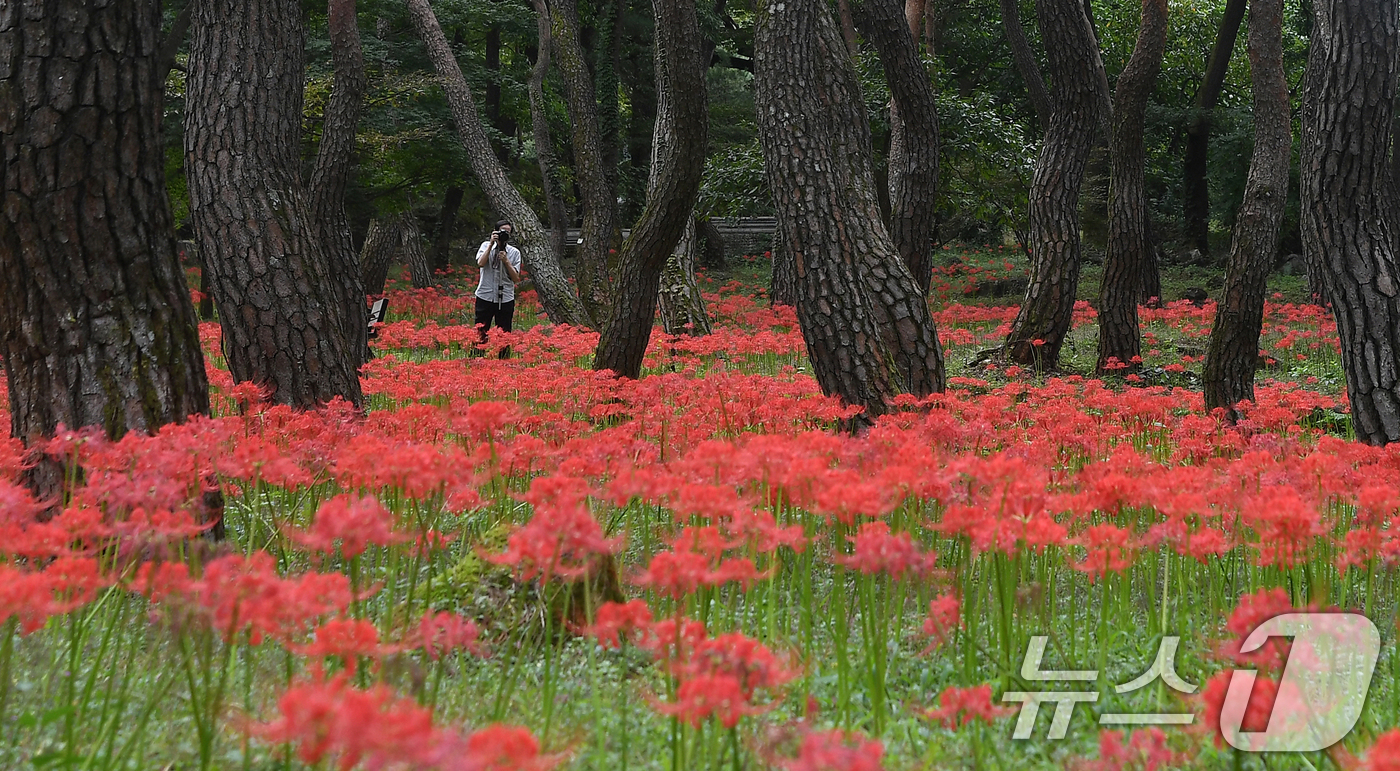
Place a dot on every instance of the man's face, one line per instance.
(505, 228)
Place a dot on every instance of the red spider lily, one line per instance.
(1110, 550)
(959, 706)
(562, 538)
(1256, 714)
(1253, 610)
(713, 695)
(944, 616)
(1146, 750)
(331, 720)
(615, 621)
(503, 748)
(484, 419)
(877, 550)
(348, 640)
(1384, 755)
(354, 522)
(442, 633)
(835, 751)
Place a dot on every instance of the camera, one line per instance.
(502, 238)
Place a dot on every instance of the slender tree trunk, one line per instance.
(534, 241)
(913, 158)
(596, 184)
(282, 319)
(1151, 292)
(683, 310)
(848, 27)
(1024, 57)
(170, 47)
(868, 329)
(420, 271)
(1129, 249)
(679, 152)
(331, 174)
(377, 253)
(447, 227)
(544, 142)
(1196, 204)
(712, 246)
(1233, 351)
(96, 323)
(1081, 103)
(1348, 106)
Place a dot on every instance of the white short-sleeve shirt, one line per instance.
(495, 285)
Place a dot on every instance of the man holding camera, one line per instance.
(495, 293)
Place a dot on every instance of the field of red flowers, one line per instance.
(523, 564)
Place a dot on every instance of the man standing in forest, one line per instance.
(495, 293)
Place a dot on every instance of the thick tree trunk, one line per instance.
(420, 271)
(96, 323)
(595, 180)
(1196, 203)
(1348, 106)
(441, 257)
(867, 327)
(1024, 57)
(682, 306)
(1081, 103)
(1129, 250)
(283, 324)
(1233, 351)
(331, 174)
(679, 151)
(782, 286)
(712, 246)
(913, 159)
(533, 240)
(377, 253)
(544, 142)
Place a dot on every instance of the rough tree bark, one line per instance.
(377, 253)
(331, 174)
(913, 159)
(867, 327)
(420, 271)
(1233, 351)
(1026, 64)
(782, 286)
(96, 323)
(712, 246)
(283, 326)
(170, 47)
(1196, 203)
(1081, 104)
(1348, 105)
(679, 152)
(1129, 250)
(596, 185)
(682, 306)
(544, 143)
(441, 257)
(558, 298)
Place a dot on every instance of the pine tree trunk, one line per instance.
(868, 330)
(1081, 103)
(782, 286)
(331, 174)
(1348, 105)
(96, 323)
(1196, 204)
(1129, 250)
(683, 310)
(1233, 350)
(913, 158)
(680, 161)
(533, 240)
(544, 143)
(1026, 64)
(441, 257)
(596, 185)
(420, 271)
(377, 253)
(712, 246)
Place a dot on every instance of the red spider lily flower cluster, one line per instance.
(960, 706)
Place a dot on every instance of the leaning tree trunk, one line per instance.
(1233, 350)
(1129, 250)
(377, 253)
(331, 174)
(680, 162)
(558, 298)
(1196, 204)
(596, 184)
(1024, 57)
(1348, 104)
(1081, 103)
(96, 323)
(544, 143)
(683, 310)
(867, 327)
(282, 319)
(913, 161)
(420, 271)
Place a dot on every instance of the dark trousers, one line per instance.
(488, 313)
